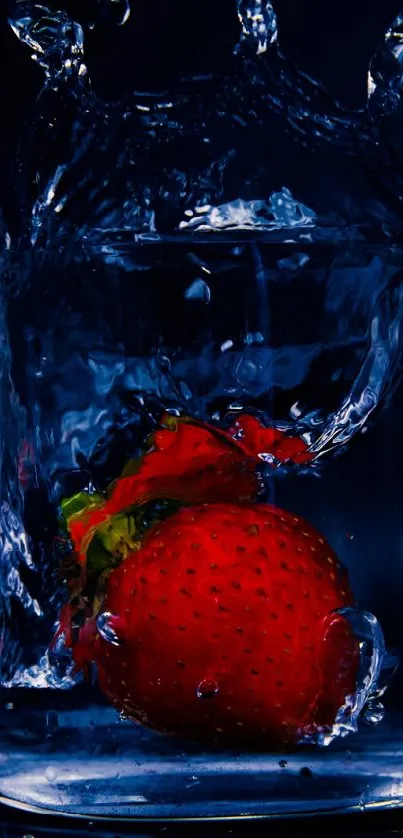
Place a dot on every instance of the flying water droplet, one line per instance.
(208, 688)
(108, 626)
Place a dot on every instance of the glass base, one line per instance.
(88, 762)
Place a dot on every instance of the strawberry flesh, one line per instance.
(226, 628)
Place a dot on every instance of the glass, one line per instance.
(200, 449)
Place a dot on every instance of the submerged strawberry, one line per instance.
(222, 628)
(188, 462)
(216, 619)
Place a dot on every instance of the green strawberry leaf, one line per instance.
(72, 506)
(119, 536)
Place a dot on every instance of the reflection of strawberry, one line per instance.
(224, 628)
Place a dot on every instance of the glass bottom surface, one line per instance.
(85, 761)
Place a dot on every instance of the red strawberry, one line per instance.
(190, 462)
(218, 623)
(224, 630)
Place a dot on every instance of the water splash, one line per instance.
(279, 212)
(45, 674)
(56, 40)
(366, 629)
(259, 23)
(386, 73)
(375, 376)
(121, 166)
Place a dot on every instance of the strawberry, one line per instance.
(223, 628)
(188, 461)
(209, 615)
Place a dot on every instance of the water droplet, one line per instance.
(9, 705)
(350, 536)
(283, 763)
(108, 626)
(306, 773)
(374, 713)
(266, 457)
(208, 688)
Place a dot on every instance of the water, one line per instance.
(95, 352)
(201, 446)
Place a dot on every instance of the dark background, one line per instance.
(165, 39)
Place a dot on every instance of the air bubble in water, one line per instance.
(208, 688)
(374, 713)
